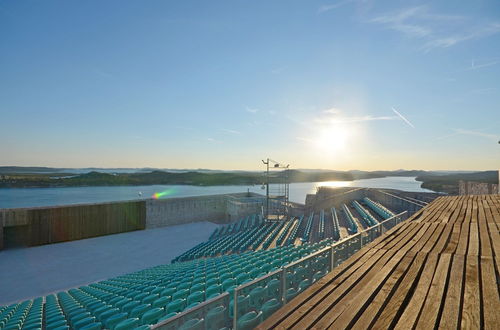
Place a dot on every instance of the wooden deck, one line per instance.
(438, 269)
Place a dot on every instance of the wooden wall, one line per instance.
(37, 226)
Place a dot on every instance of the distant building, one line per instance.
(476, 188)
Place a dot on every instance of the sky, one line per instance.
(349, 84)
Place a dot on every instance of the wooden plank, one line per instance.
(380, 285)
(315, 293)
(390, 299)
(401, 248)
(412, 310)
(450, 318)
(471, 314)
(322, 302)
(430, 311)
(490, 294)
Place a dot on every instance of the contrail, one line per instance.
(402, 117)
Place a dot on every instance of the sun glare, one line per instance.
(332, 139)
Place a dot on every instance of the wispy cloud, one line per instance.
(230, 131)
(337, 116)
(355, 119)
(213, 140)
(475, 65)
(469, 132)
(476, 133)
(403, 118)
(436, 30)
(324, 8)
(251, 110)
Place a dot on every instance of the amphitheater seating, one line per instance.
(150, 295)
(335, 225)
(307, 231)
(365, 214)
(378, 208)
(235, 254)
(321, 229)
(284, 233)
(295, 231)
(352, 227)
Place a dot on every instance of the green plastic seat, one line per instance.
(216, 288)
(184, 285)
(180, 294)
(149, 299)
(166, 317)
(152, 316)
(129, 306)
(228, 283)
(273, 288)
(290, 294)
(241, 278)
(161, 302)
(83, 322)
(168, 292)
(216, 318)
(304, 284)
(176, 306)
(115, 319)
(107, 314)
(250, 320)
(128, 324)
(270, 307)
(195, 297)
(257, 297)
(243, 305)
(139, 310)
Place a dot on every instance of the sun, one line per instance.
(332, 139)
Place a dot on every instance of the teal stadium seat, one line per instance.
(250, 320)
(270, 307)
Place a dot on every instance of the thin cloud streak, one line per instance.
(230, 131)
(403, 118)
(475, 66)
(438, 31)
(325, 8)
(252, 110)
(461, 131)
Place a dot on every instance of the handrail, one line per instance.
(281, 271)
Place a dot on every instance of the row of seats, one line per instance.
(378, 208)
(25, 315)
(352, 227)
(270, 239)
(335, 225)
(307, 231)
(295, 232)
(321, 228)
(146, 297)
(285, 231)
(368, 218)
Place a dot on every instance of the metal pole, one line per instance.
(267, 191)
(332, 258)
(283, 285)
(235, 309)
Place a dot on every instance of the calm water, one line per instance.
(29, 197)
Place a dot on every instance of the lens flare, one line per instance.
(164, 193)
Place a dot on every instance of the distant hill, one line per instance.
(12, 177)
(449, 182)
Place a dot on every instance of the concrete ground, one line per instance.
(26, 273)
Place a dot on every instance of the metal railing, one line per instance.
(266, 294)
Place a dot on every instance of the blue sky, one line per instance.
(222, 84)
